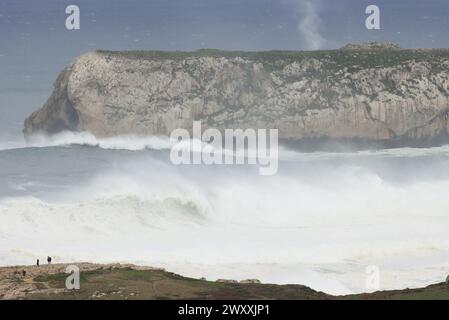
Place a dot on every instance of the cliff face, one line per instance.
(374, 95)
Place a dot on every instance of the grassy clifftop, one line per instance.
(368, 58)
(125, 282)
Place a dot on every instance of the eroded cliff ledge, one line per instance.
(392, 96)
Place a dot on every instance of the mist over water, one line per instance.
(321, 221)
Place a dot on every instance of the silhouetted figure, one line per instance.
(37, 262)
(24, 273)
(49, 260)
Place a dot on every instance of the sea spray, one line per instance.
(320, 221)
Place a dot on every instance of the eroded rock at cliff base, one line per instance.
(393, 96)
(57, 114)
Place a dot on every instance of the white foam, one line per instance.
(126, 142)
(139, 143)
(282, 229)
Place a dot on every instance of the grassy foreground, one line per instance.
(126, 282)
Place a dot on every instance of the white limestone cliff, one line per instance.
(398, 96)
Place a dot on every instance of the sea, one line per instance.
(339, 222)
(331, 221)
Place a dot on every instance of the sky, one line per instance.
(35, 44)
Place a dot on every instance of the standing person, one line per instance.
(49, 260)
(37, 262)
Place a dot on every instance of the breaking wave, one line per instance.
(123, 142)
(317, 223)
(140, 143)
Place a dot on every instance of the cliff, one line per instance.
(385, 95)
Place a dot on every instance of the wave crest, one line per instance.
(124, 142)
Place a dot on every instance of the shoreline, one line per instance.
(117, 281)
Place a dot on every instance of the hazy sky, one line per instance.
(35, 45)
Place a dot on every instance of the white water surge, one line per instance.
(321, 221)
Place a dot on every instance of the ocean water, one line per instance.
(321, 221)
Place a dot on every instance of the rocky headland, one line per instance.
(377, 93)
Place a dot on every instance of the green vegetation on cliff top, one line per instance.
(342, 58)
(128, 283)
